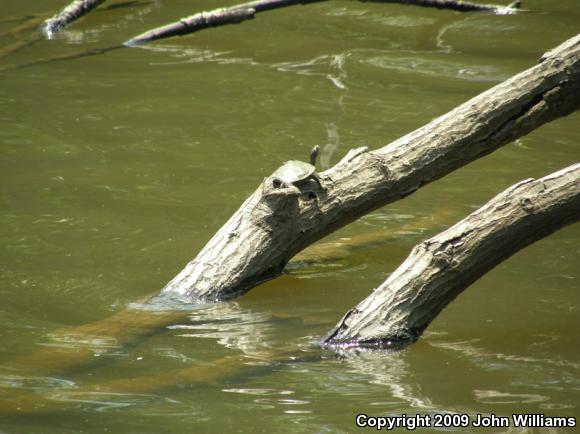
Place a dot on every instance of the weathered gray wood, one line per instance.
(246, 11)
(278, 219)
(69, 14)
(439, 269)
(194, 23)
(214, 18)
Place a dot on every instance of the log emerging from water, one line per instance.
(281, 218)
(435, 272)
(71, 13)
(440, 268)
(194, 23)
(74, 349)
(246, 11)
(217, 17)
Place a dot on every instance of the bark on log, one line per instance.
(217, 17)
(439, 269)
(246, 11)
(194, 23)
(72, 12)
(280, 219)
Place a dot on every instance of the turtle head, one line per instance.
(314, 155)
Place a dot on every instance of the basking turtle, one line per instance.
(295, 172)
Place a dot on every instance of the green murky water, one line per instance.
(116, 169)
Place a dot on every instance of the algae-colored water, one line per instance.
(116, 169)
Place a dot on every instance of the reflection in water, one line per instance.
(436, 67)
(231, 326)
(496, 397)
(479, 355)
(331, 67)
(34, 383)
(402, 373)
(106, 401)
(392, 371)
(338, 74)
(540, 375)
(74, 341)
(187, 55)
(332, 145)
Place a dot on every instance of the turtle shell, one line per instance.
(294, 171)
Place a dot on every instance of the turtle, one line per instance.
(295, 171)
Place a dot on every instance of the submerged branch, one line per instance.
(72, 56)
(29, 24)
(19, 45)
(329, 251)
(75, 347)
(208, 373)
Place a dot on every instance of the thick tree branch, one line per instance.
(279, 219)
(439, 269)
(245, 11)
(193, 23)
(69, 14)
(217, 17)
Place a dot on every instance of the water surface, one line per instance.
(116, 169)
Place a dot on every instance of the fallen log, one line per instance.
(71, 13)
(73, 349)
(281, 218)
(440, 268)
(246, 11)
(435, 272)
